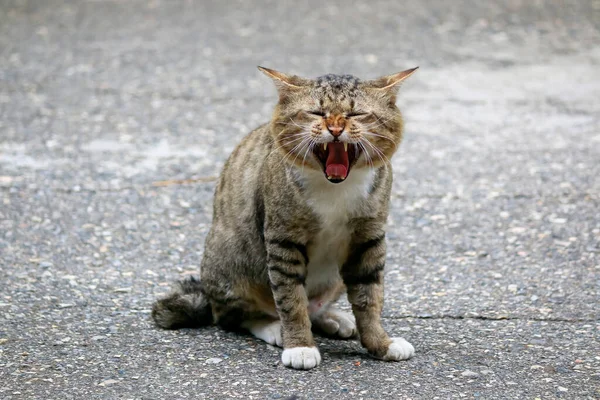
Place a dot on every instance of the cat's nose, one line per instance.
(335, 130)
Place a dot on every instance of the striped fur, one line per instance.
(286, 240)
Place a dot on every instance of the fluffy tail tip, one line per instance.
(185, 307)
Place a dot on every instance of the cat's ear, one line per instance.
(284, 82)
(391, 83)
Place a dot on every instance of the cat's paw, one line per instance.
(269, 331)
(337, 323)
(399, 349)
(301, 357)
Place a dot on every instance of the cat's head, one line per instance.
(336, 123)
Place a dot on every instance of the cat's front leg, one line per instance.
(363, 276)
(286, 263)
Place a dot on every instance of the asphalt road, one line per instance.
(493, 271)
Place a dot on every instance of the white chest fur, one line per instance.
(333, 203)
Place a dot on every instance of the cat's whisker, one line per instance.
(369, 133)
(367, 155)
(285, 133)
(372, 125)
(382, 156)
(293, 140)
(280, 146)
(288, 155)
(381, 122)
(382, 119)
(378, 152)
(308, 148)
(282, 136)
(306, 143)
(297, 149)
(295, 123)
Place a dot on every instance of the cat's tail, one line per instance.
(185, 307)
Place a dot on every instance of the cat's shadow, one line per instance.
(341, 355)
(332, 348)
(341, 349)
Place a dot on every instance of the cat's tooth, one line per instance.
(345, 147)
(325, 146)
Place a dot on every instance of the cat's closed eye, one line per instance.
(357, 114)
(348, 115)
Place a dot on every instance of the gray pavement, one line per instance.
(494, 264)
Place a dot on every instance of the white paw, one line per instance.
(301, 357)
(346, 324)
(399, 349)
(270, 332)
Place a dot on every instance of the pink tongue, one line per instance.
(337, 164)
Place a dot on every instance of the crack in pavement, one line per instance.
(491, 318)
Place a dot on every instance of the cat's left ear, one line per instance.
(284, 82)
(391, 83)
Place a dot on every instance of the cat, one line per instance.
(299, 216)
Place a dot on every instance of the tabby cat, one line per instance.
(299, 216)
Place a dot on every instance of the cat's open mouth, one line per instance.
(336, 158)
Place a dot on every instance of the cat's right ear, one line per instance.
(284, 83)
